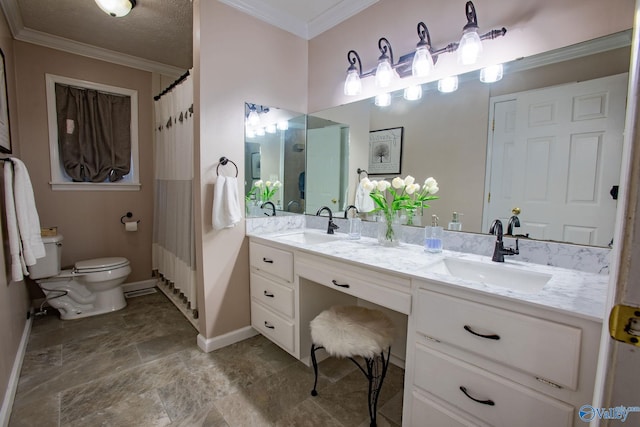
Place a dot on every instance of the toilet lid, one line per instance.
(100, 264)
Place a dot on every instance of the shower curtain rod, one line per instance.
(171, 86)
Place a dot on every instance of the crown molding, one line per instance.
(332, 17)
(19, 32)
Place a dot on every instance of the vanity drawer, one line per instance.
(271, 260)
(513, 404)
(424, 408)
(272, 326)
(378, 288)
(547, 350)
(272, 294)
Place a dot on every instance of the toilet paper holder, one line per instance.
(127, 215)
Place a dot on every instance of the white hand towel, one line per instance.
(12, 225)
(226, 203)
(28, 220)
(363, 201)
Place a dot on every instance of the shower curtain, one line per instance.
(173, 250)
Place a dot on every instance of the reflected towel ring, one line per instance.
(361, 171)
(127, 215)
(223, 162)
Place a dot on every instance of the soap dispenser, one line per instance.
(455, 224)
(433, 236)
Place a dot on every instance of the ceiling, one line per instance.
(157, 34)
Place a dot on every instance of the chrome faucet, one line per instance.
(346, 211)
(331, 226)
(500, 251)
(273, 208)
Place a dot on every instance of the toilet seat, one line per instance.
(100, 264)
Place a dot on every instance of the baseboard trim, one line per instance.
(209, 344)
(12, 387)
(136, 286)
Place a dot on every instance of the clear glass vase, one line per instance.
(389, 229)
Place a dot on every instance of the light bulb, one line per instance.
(260, 131)
(470, 47)
(283, 125)
(253, 119)
(250, 133)
(352, 84)
(271, 128)
(383, 99)
(422, 62)
(448, 84)
(384, 73)
(491, 74)
(413, 93)
(116, 8)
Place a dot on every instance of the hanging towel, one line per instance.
(226, 204)
(17, 263)
(363, 201)
(27, 215)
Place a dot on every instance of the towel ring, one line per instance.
(127, 215)
(361, 171)
(223, 162)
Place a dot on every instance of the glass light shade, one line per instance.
(352, 84)
(115, 8)
(448, 84)
(283, 125)
(250, 133)
(413, 93)
(253, 119)
(260, 131)
(470, 47)
(491, 74)
(384, 73)
(270, 128)
(422, 62)
(383, 99)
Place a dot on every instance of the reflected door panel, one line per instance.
(323, 173)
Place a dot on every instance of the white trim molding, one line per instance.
(12, 387)
(210, 344)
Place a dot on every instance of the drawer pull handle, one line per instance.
(268, 325)
(345, 285)
(489, 337)
(484, 402)
(267, 260)
(268, 294)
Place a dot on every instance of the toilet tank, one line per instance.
(48, 266)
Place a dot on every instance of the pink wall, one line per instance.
(237, 59)
(533, 26)
(88, 220)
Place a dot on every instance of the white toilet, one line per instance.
(92, 287)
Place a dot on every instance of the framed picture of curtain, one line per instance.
(385, 151)
(5, 132)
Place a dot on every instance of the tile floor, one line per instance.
(141, 367)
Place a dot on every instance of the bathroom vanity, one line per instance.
(521, 350)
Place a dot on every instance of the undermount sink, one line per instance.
(310, 237)
(495, 274)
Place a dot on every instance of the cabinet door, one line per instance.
(491, 398)
(547, 350)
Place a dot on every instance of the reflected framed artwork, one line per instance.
(5, 131)
(385, 151)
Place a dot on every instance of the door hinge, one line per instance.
(489, 198)
(624, 324)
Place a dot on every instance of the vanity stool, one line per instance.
(350, 332)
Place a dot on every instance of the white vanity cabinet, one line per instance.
(273, 294)
(474, 359)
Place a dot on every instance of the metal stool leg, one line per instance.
(376, 371)
(315, 368)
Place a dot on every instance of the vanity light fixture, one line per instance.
(413, 93)
(491, 74)
(448, 84)
(383, 99)
(419, 62)
(116, 8)
(253, 118)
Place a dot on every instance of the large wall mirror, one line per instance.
(515, 143)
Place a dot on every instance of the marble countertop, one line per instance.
(569, 291)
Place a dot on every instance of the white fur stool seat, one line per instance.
(352, 331)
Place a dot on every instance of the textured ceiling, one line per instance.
(155, 30)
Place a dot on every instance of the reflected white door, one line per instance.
(555, 154)
(322, 173)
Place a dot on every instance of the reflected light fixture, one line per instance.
(413, 93)
(383, 99)
(253, 119)
(250, 133)
(283, 125)
(422, 60)
(116, 8)
(448, 84)
(491, 74)
(260, 131)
